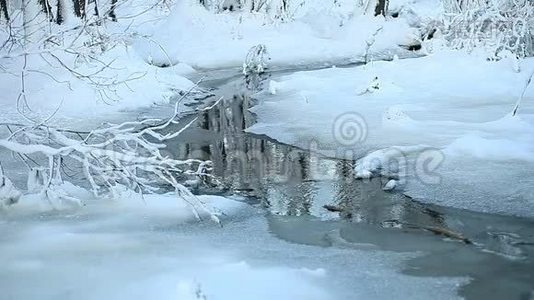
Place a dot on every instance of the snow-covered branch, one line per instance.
(499, 26)
(127, 154)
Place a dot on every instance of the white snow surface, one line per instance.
(65, 98)
(454, 103)
(320, 33)
(156, 250)
(186, 34)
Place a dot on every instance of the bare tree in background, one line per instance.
(3, 8)
(381, 7)
(376, 7)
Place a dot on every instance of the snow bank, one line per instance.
(321, 33)
(138, 85)
(451, 106)
(96, 73)
(162, 206)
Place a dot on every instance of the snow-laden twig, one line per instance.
(498, 26)
(130, 154)
(370, 42)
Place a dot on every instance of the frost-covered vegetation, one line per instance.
(76, 55)
(501, 27)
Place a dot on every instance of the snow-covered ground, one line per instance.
(321, 33)
(94, 73)
(125, 77)
(65, 99)
(155, 250)
(450, 101)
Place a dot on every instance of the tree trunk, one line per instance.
(79, 6)
(30, 20)
(47, 9)
(376, 7)
(60, 12)
(97, 12)
(112, 14)
(381, 7)
(3, 7)
(65, 11)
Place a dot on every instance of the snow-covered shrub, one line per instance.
(255, 65)
(275, 9)
(9, 195)
(498, 26)
(256, 60)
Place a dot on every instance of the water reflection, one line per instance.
(290, 182)
(287, 180)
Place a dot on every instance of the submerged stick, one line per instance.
(436, 230)
(332, 208)
(448, 233)
(516, 107)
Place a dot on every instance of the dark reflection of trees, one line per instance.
(241, 161)
(283, 177)
(298, 188)
(346, 191)
(364, 200)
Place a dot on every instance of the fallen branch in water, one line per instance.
(332, 208)
(397, 224)
(447, 233)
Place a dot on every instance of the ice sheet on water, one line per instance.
(454, 104)
(105, 251)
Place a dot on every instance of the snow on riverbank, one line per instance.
(450, 101)
(320, 33)
(124, 75)
(138, 85)
(94, 72)
(152, 251)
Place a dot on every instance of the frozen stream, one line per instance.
(278, 241)
(294, 185)
(107, 253)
